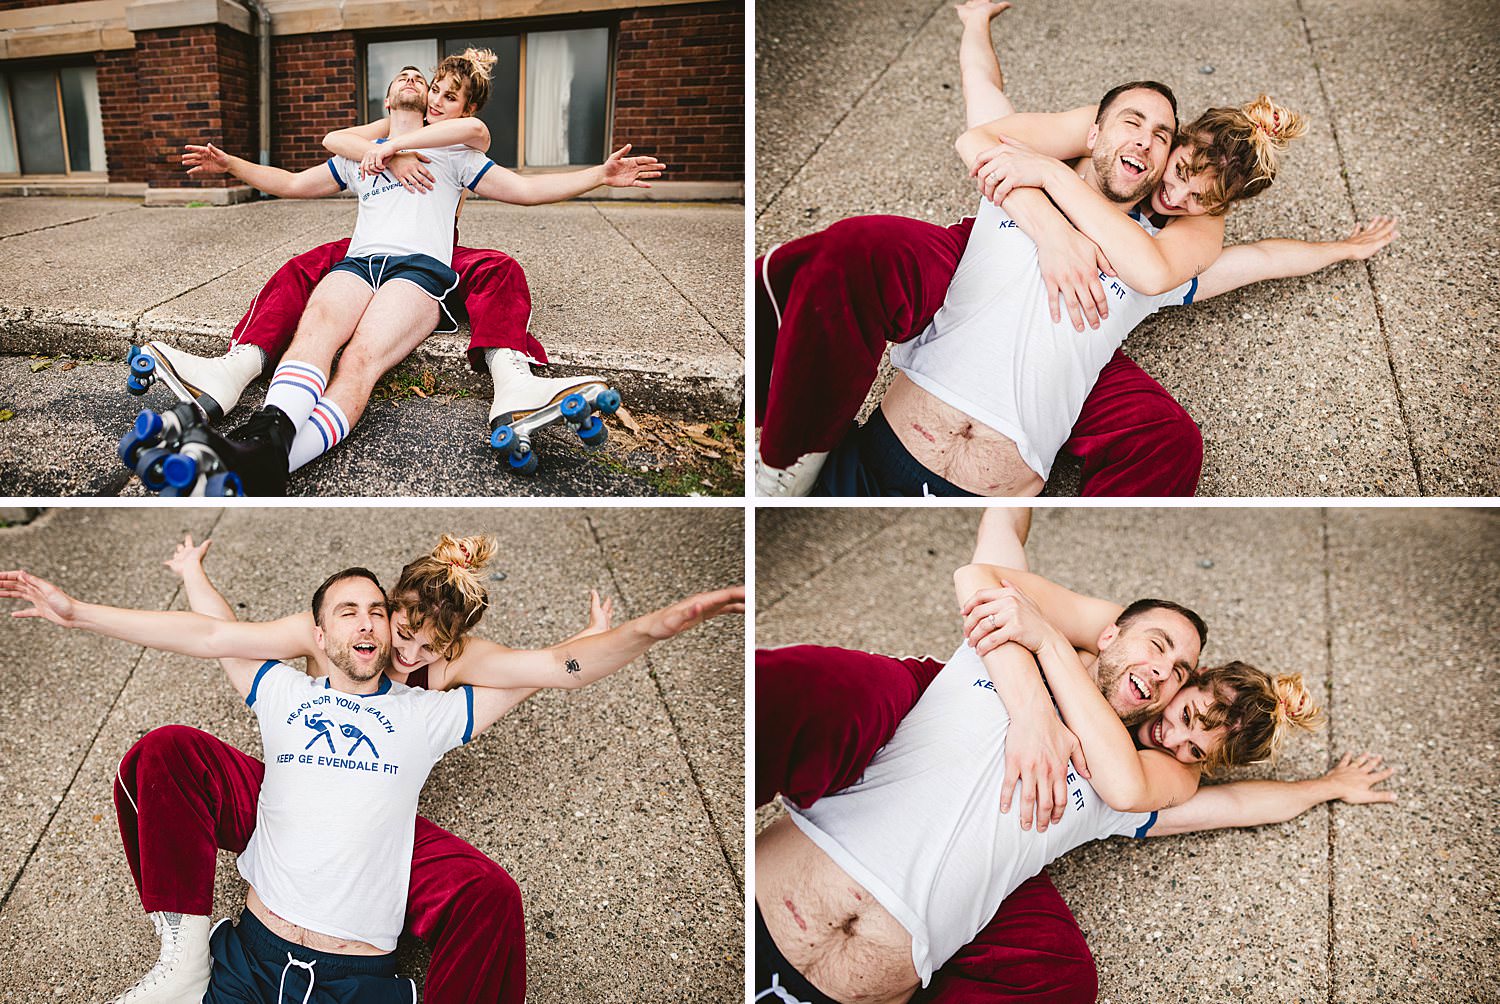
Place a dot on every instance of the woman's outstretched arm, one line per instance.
(588, 657)
(1280, 258)
(979, 64)
(1256, 803)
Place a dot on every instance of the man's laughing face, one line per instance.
(1131, 145)
(1143, 664)
(356, 629)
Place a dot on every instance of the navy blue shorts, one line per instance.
(431, 276)
(776, 982)
(872, 461)
(251, 965)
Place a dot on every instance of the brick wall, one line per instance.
(680, 86)
(121, 113)
(194, 85)
(314, 81)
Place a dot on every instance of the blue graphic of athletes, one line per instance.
(351, 732)
(322, 726)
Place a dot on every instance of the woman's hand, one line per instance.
(1354, 779)
(600, 614)
(694, 610)
(995, 616)
(407, 167)
(1070, 265)
(47, 601)
(1368, 238)
(980, 11)
(205, 159)
(374, 161)
(1009, 165)
(621, 171)
(188, 558)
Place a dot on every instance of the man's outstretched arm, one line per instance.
(1280, 258)
(167, 630)
(309, 184)
(1256, 803)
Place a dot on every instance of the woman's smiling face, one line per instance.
(445, 99)
(1180, 731)
(410, 650)
(1179, 193)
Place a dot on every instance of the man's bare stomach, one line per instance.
(954, 446)
(827, 925)
(297, 935)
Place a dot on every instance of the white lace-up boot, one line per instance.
(216, 383)
(519, 392)
(796, 480)
(180, 975)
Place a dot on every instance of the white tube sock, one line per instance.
(324, 429)
(295, 389)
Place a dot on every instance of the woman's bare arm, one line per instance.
(1256, 803)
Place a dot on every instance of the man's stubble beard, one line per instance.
(1105, 165)
(343, 658)
(1108, 670)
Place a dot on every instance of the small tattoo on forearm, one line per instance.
(573, 666)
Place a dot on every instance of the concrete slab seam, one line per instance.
(1332, 749)
(686, 299)
(1385, 338)
(64, 223)
(810, 576)
(737, 879)
(792, 175)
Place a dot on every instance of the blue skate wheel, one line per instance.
(608, 401)
(142, 364)
(225, 485)
(134, 385)
(148, 466)
(593, 432)
(503, 439)
(131, 445)
(179, 470)
(523, 463)
(148, 426)
(574, 406)
(135, 350)
(173, 492)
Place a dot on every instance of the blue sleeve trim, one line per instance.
(469, 725)
(487, 165)
(255, 683)
(1192, 292)
(335, 172)
(1146, 826)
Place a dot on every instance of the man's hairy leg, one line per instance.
(397, 320)
(333, 310)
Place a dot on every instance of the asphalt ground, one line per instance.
(648, 296)
(1388, 613)
(618, 809)
(1374, 378)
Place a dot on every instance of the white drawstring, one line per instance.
(780, 991)
(290, 962)
(765, 278)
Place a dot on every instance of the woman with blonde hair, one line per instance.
(181, 795)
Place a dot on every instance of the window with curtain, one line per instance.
(50, 121)
(549, 93)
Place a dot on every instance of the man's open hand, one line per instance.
(205, 159)
(982, 11)
(188, 558)
(1038, 747)
(47, 601)
(621, 171)
(694, 610)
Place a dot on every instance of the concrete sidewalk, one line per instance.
(1370, 378)
(618, 810)
(1389, 614)
(647, 295)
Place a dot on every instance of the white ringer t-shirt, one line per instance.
(337, 814)
(397, 222)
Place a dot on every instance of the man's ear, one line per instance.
(1107, 636)
(1093, 136)
(318, 637)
